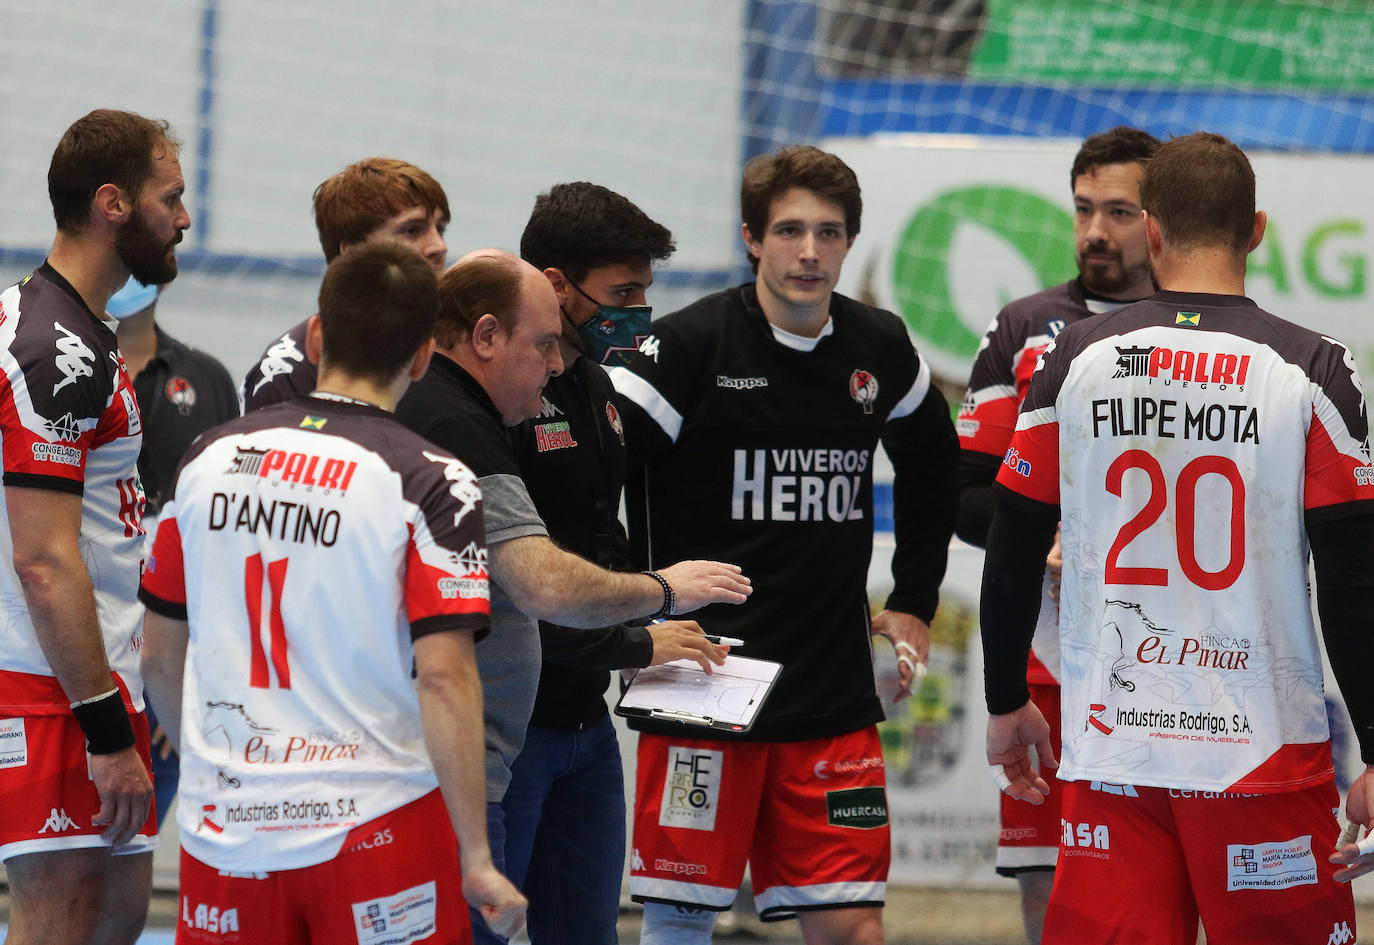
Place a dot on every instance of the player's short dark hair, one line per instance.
(769, 176)
(362, 196)
(104, 147)
(487, 284)
(580, 226)
(1121, 145)
(1200, 188)
(378, 303)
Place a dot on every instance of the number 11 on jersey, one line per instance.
(253, 574)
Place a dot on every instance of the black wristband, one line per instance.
(669, 598)
(105, 723)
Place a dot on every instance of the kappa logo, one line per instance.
(280, 359)
(863, 388)
(58, 822)
(740, 383)
(1341, 934)
(649, 348)
(636, 861)
(826, 769)
(465, 488)
(71, 360)
(548, 409)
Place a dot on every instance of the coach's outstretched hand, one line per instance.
(1009, 739)
(698, 583)
(501, 904)
(1354, 853)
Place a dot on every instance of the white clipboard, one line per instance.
(728, 700)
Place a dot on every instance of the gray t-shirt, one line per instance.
(508, 659)
(449, 407)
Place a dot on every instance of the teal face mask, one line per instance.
(614, 333)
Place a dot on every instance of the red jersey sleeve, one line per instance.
(446, 580)
(163, 590)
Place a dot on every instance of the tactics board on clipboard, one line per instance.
(729, 699)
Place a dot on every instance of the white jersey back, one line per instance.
(1184, 439)
(310, 542)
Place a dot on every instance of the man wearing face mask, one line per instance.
(565, 807)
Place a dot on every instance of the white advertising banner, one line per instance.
(956, 227)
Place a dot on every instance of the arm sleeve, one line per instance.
(1343, 555)
(446, 583)
(625, 645)
(656, 391)
(977, 500)
(282, 372)
(925, 458)
(1021, 535)
(163, 588)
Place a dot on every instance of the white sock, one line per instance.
(666, 924)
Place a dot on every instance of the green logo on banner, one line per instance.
(1041, 232)
(864, 807)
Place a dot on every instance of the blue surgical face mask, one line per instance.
(133, 298)
(614, 333)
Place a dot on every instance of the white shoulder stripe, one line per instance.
(919, 388)
(1329, 417)
(637, 389)
(1037, 417)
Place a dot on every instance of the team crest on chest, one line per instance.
(863, 387)
(180, 392)
(613, 418)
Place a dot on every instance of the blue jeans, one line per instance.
(565, 834)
